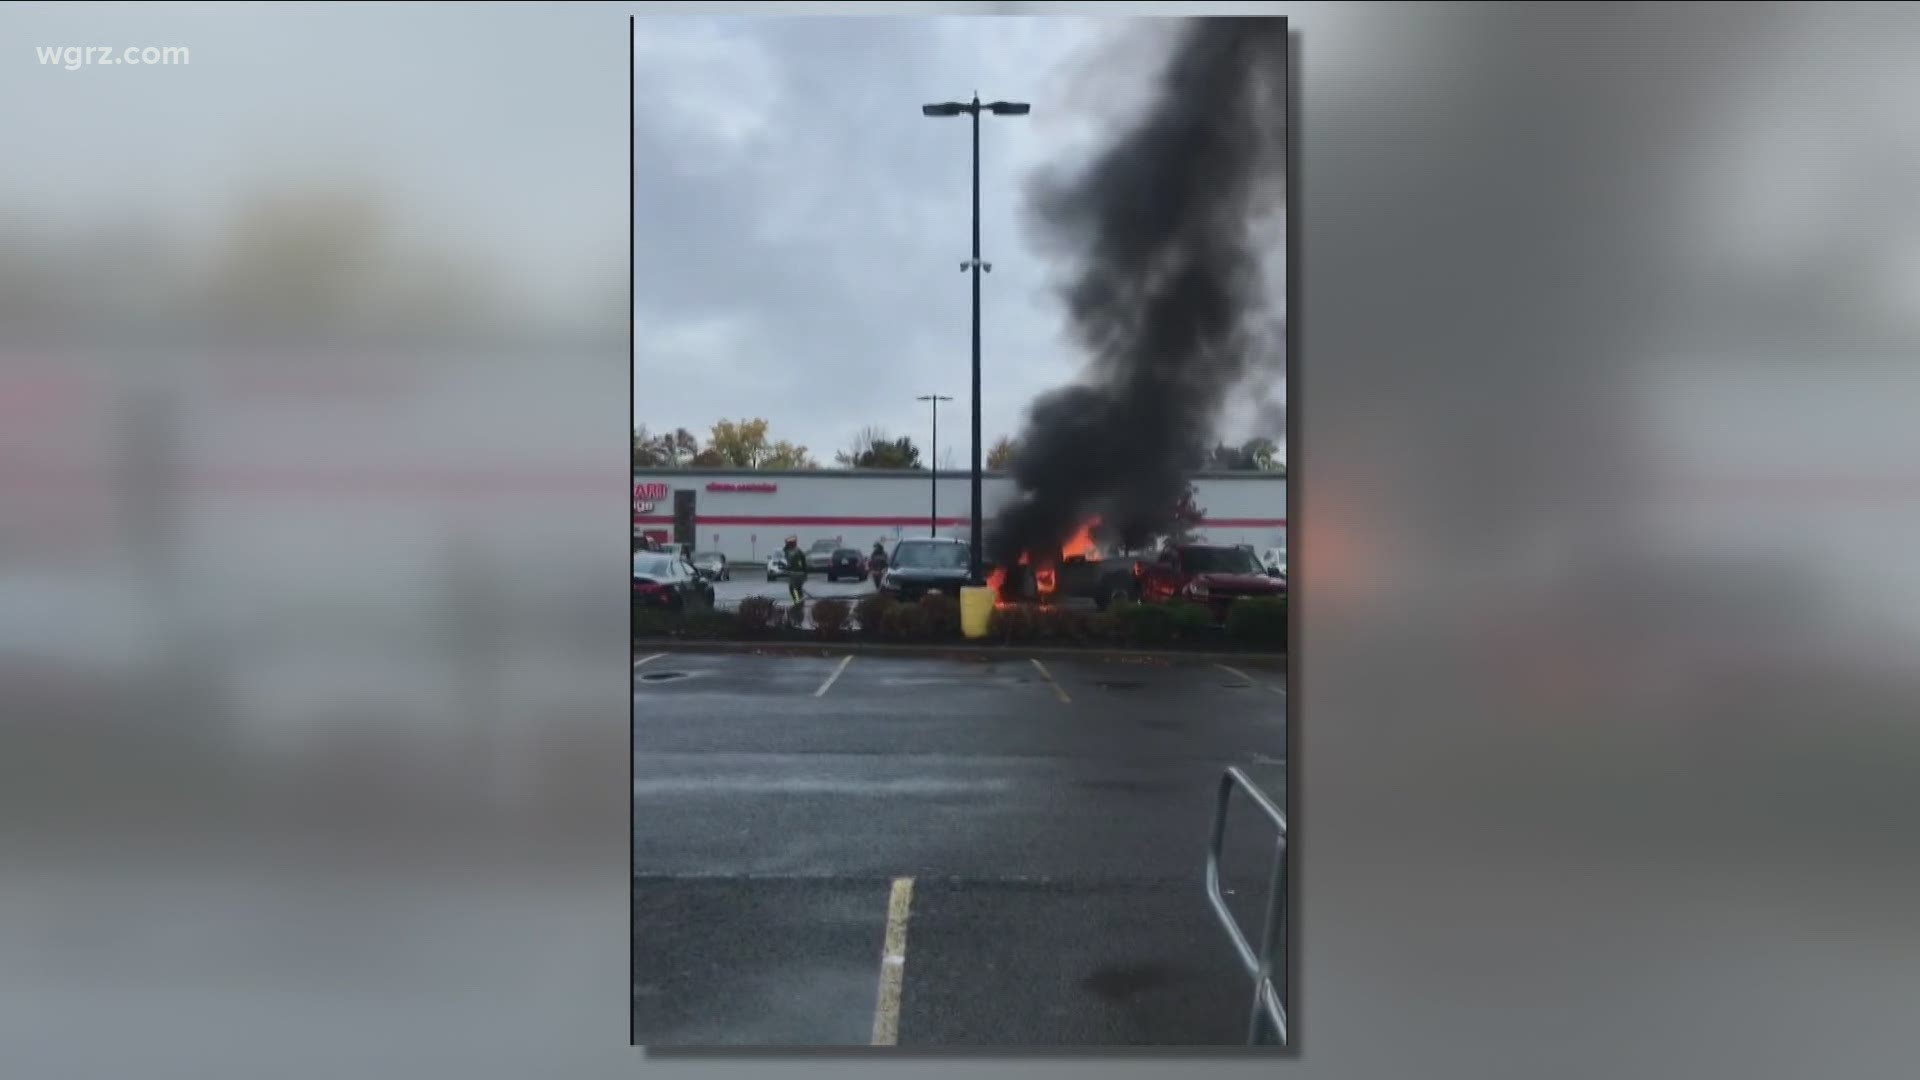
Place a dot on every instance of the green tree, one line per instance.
(1261, 453)
(1000, 454)
(897, 454)
(874, 448)
(1187, 518)
(1257, 454)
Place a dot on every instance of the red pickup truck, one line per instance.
(1209, 575)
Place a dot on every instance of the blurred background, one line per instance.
(313, 370)
(313, 391)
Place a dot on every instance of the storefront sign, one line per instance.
(645, 495)
(761, 488)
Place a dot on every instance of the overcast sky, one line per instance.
(799, 226)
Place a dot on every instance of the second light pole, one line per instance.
(933, 485)
(974, 108)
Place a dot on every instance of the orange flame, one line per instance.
(1082, 542)
(1046, 578)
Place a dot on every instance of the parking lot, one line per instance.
(752, 581)
(1026, 837)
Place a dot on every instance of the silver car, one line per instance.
(820, 555)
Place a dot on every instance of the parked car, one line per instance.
(1208, 575)
(820, 554)
(1274, 559)
(926, 564)
(667, 581)
(847, 563)
(712, 565)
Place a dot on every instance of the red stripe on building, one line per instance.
(779, 520)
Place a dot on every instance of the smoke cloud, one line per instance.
(1162, 240)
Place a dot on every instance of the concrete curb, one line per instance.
(1262, 661)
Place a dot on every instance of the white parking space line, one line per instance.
(637, 664)
(893, 965)
(1250, 680)
(822, 692)
(1236, 673)
(1057, 688)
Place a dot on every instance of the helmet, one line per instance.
(793, 539)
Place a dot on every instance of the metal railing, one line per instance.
(1268, 1012)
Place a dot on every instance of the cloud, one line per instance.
(799, 226)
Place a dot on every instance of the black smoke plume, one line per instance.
(1163, 285)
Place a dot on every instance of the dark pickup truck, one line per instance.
(1100, 580)
(1205, 574)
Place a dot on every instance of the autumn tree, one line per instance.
(1000, 454)
(785, 455)
(740, 443)
(709, 459)
(646, 449)
(338, 258)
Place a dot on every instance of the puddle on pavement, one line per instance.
(1120, 982)
(662, 676)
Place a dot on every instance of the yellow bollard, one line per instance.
(976, 610)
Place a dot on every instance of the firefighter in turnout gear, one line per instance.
(796, 563)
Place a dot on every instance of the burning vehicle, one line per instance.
(1212, 576)
(1163, 240)
(1075, 571)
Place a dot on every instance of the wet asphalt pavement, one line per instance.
(1056, 848)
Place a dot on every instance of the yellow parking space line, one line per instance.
(647, 659)
(893, 965)
(822, 692)
(1057, 688)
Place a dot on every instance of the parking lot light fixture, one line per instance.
(974, 108)
(933, 465)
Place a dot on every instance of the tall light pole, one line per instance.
(933, 485)
(974, 108)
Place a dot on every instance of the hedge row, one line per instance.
(1259, 624)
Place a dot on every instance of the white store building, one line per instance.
(747, 514)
